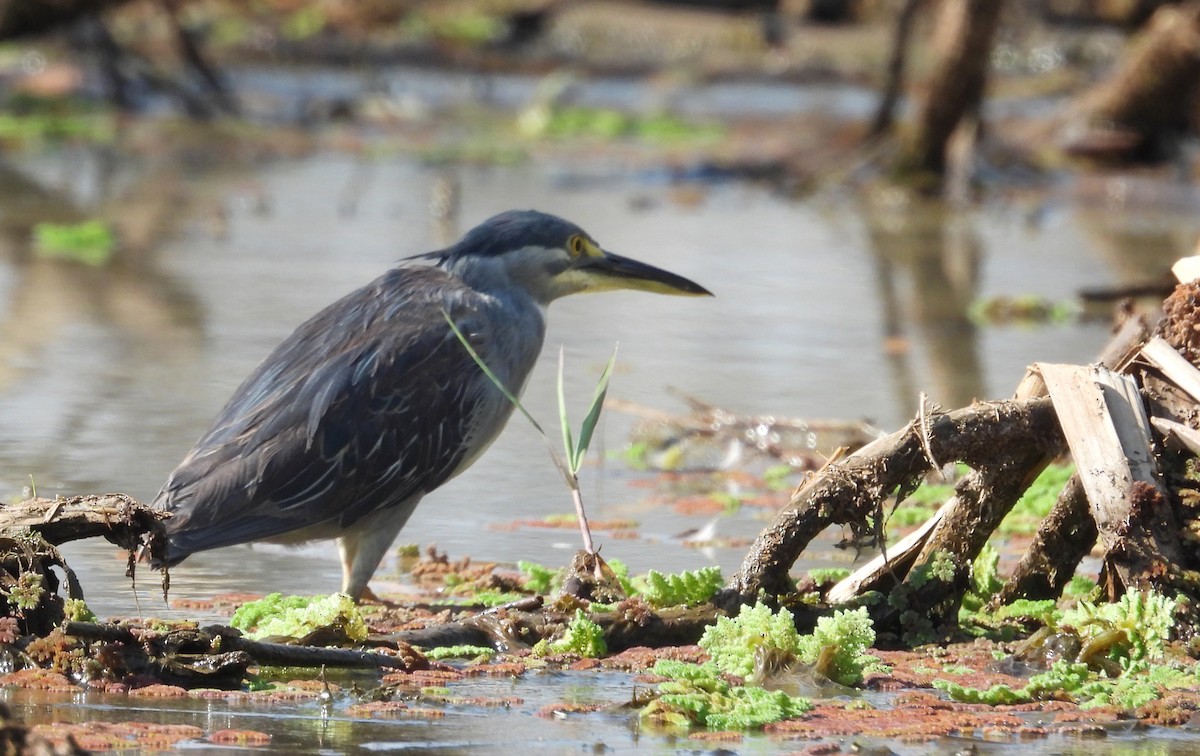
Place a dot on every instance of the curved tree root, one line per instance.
(997, 438)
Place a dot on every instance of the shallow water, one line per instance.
(824, 308)
(109, 375)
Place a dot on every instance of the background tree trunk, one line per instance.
(963, 37)
(1138, 112)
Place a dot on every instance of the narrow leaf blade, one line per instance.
(563, 421)
(462, 339)
(593, 415)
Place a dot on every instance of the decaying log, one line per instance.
(215, 657)
(850, 492)
(118, 518)
(891, 564)
(1062, 540)
(959, 514)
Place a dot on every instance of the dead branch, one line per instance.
(116, 517)
(635, 625)
(850, 492)
(218, 639)
(1062, 541)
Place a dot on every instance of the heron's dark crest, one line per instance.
(509, 232)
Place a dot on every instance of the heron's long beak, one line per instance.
(609, 271)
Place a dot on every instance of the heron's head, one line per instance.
(549, 258)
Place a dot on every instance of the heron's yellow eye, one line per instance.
(577, 246)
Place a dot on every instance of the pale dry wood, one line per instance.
(1105, 424)
(1083, 408)
(1187, 269)
(1174, 366)
(892, 561)
(1186, 436)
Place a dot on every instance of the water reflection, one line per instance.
(73, 335)
(928, 265)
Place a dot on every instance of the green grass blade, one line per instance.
(492, 376)
(593, 414)
(563, 421)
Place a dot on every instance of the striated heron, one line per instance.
(373, 402)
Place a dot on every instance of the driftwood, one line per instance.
(1068, 533)
(1109, 434)
(852, 491)
(116, 517)
(1117, 495)
(215, 657)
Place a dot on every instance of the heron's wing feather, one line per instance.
(347, 416)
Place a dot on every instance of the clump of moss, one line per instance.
(26, 594)
(733, 643)
(1077, 681)
(704, 694)
(1143, 620)
(539, 578)
(985, 579)
(582, 637)
(697, 694)
(1120, 641)
(838, 645)
(298, 616)
(688, 588)
(458, 652)
(76, 610)
(823, 575)
(1044, 611)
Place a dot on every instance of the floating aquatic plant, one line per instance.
(582, 637)
(696, 694)
(838, 645)
(297, 616)
(688, 588)
(733, 642)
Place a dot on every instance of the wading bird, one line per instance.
(374, 402)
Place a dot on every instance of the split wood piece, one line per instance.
(1067, 533)
(1186, 269)
(851, 491)
(1178, 434)
(116, 517)
(1173, 365)
(1107, 429)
